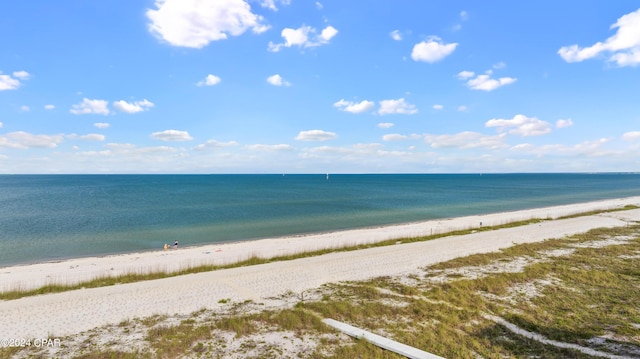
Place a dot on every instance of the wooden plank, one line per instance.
(382, 342)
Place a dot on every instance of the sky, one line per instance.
(329, 86)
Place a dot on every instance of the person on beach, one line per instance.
(166, 246)
(175, 244)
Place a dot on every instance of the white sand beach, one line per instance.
(80, 310)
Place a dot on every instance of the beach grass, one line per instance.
(578, 295)
(255, 260)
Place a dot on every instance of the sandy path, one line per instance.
(72, 312)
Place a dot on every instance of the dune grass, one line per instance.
(137, 277)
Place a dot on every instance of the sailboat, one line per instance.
(327, 176)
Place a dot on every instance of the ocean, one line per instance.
(53, 217)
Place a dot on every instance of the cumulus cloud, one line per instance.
(437, 107)
(196, 23)
(564, 123)
(396, 35)
(623, 48)
(354, 107)
(25, 108)
(133, 107)
(8, 82)
(277, 80)
(486, 83)
(22, 75)
(385, 125)
(303, 37)
(0, 124)
(399, 106)
(87, 106)
(101, 125)
(315, 135)
(25, 140)
(432, 50)
(521, 125)
(631, 136)
(463, 75)
(210, 80)
(466, 140)
(215, 144)
(49, 107)
(172, 135)
(462, 108)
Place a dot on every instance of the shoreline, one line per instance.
(76, 311)
(76, 270)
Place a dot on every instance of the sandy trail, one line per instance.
(76, 311)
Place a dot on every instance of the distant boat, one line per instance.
(327, 176)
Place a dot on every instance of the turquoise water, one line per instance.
(49, 217)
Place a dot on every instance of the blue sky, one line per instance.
(273, 86)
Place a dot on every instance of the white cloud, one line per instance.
(586, 148)
(277, 80)
(521, 125)
(437, 107)
(564, 123)
(215, 144)
(385, 125)
(210, 80)
(394, 137)
(271, 4)
(466, 140)
(98, 107)
(25, 108)
(133, 107)
(623, 47)
(93, 137)
(631, 136)
(101, 125)
(463, 75)
(486, 83)
(355, 107)
(22, 75)
(499, 65)
(88, 137)
(24, 140)
(399, 106)
(11, 83)
(172, 135)
(327, 34)
(49, 107)
(464, 16)
(396, 35)
(1, 124)
(315, 135)
(196, 23)
(432, 50)
(304, 36)
(462, 108)
(270, 148)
